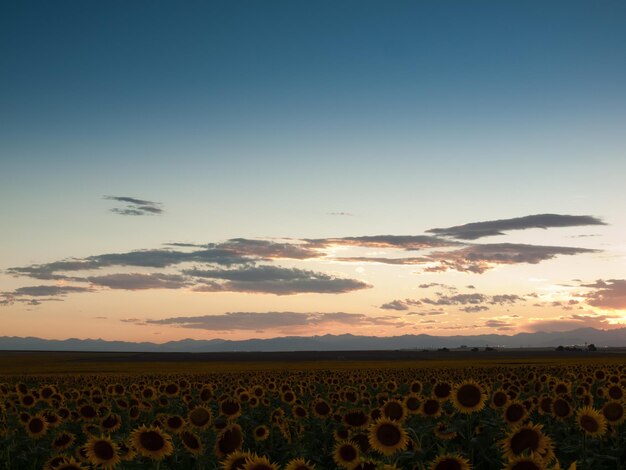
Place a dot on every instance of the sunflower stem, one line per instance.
(584, 465)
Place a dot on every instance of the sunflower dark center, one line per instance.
(413, 403)
(230, 407)
(613, 411)
(431, 407)
(230, 441)
(561, 408)
(449, 464)
(442, 390)
(190, 440)
(88, 411)
(525, 439)
(589, 423)
(388, 434)
(322, 408)
(109, 422)
(62, 440)
(35, 425)
(356, 418)
(525, 465)
(151, 440)
(615, 392)
(260, 466)
(175, 422)
(394, 410)
(103, 450)
(348, 453)
(468, 395)
(499, 399)
(515, 412)
(199, 417)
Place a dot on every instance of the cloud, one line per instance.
(394, 261)
(405, 242)
(474, 308)
(267, 249)
(480, 258)
(473, 231)
(135, 206)
(139, 258)
(400, 305)
(499, 325)
(136, 281)
(343, 214)
(429, 313)
(458, 299)
(35, 295)
(574, 321)
(272, 280)
(258, 321)
(610, 294)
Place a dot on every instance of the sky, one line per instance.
(236, 169)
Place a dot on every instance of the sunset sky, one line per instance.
(231, 170)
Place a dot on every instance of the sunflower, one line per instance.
(191, 442)
(259, 463)
(515, 412)
(356, 419)
(468, 397)
(394, 410)
(152, 442)
(412, 403)
(526, 438)
(346, 454)
(111, 423)
(299, 464)
(450, 462)
(321, 409)
(613, 412)
(591, 421)
(55, 461)
(230, 408)
(70, 464)
(499, 399)
(87, 412)
(236, 460)
(261, 433)
(526, 463)
(102, 451)
(200, 417)
(443, 432)
(442, 390)
(431, 407)
(36, 426)
(125, 451)
(387, 436)
(63, 441)
(174, 423)
(228, 440)
(561, 408)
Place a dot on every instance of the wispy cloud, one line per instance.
(137, 281)
(476, 230)
(134, 206)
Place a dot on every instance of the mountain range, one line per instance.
(346, 342)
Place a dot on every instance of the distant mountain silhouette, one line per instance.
(347, 342)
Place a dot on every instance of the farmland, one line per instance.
(517, 411)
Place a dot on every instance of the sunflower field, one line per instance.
(511, 417)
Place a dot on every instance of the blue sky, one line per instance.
(268, 119)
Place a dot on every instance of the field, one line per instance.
(388, 410)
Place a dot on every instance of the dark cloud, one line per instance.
(610, 294)
(400, 305)
(272, 280)
(139, 258)
(476, 230)
(428, 313)
(136, 281)
(258, 321)
(134, 206)
(480, 258)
